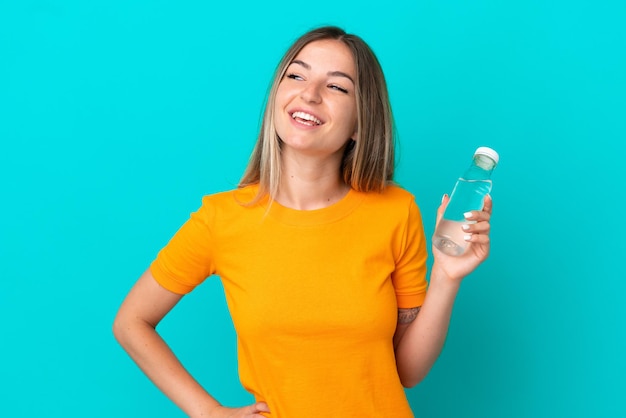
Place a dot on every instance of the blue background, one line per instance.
(116, 117)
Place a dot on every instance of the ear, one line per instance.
(355, 135)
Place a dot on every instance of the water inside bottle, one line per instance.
(467, 195)
(449, 237)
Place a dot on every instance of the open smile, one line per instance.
(306, 118)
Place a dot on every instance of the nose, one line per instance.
(311, 93)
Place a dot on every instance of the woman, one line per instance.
(322, 258)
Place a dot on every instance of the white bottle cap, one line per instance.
(488, 152)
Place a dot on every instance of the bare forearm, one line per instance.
(146, 347)
(424, 338)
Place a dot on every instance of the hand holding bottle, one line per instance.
(468, 195)
(476, 235)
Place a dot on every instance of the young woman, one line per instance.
(322, 257)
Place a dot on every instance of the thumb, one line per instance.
(259, 407)
(262, 407)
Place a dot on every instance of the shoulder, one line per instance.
(234, 197)
(234, 202)
(403, 203)
(394, 205)
(392, 196)
(398, 193)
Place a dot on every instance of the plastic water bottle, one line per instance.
(468, 194)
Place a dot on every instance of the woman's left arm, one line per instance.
(420, 337)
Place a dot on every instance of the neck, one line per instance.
(308, 184)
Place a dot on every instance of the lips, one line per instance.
(306, 118)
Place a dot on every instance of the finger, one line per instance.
(488, 204)
(442, 207)
(261, 407)
(255, 409)
(482, 227)
(481, 215)
(478, 239)
(477, 216)
(473, 231)
(250, 410)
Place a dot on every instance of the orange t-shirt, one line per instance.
(313, 295)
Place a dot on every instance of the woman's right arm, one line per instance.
(134, 328)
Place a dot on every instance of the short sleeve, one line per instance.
(187, 259)
(409, 277)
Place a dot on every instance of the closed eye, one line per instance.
(338, 88)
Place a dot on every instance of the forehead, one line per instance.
(327, 55)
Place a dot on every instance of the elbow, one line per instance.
(412, 376)
(411, 381)
(408, 384)
(127, 328)
(120, 328)
(117, 328)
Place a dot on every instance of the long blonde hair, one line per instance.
(368, 163)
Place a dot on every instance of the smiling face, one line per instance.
(315, 107)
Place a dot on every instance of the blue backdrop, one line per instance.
(116, 117)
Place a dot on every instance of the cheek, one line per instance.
(355, 121)
(281, 100)
(284, 92)
(279, 103)
(279, 118)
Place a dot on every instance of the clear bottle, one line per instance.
(468, 194)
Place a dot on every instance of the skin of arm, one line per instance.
(135, 329)
(419, 342)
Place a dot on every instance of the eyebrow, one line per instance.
(330, 73)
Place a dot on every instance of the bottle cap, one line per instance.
(488, 152)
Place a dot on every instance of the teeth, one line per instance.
(306, 116)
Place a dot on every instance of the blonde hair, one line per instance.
(368, 162)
